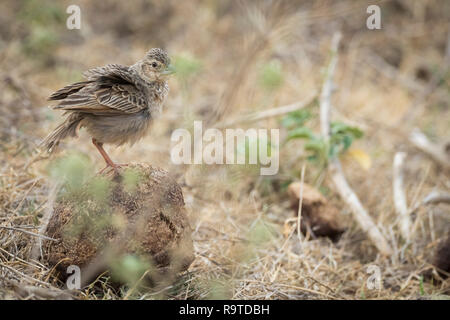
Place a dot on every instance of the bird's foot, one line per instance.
(112, 168)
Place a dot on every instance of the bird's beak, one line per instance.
(169, 70)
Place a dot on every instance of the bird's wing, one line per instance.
(109, 89)
(68, 90)
(116, 72)
(117, 98)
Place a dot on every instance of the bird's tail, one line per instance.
(68, 128)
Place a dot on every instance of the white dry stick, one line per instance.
(400, 196)
(421, 142)
(40, 292)
(300, 204)
(359, 213)
(274, 112)
(36, 251)
(435, 197)
(347, 194)
(327, 88)
(29, 233)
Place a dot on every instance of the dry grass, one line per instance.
(389, 82)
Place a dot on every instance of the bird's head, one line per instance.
(155, 66)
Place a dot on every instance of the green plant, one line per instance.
(41, 19)
(130, 268)
(320, 150)
(71, 171)
(296, 119)
(186, 66)
(131, 179)
(219, 289)
(421, 287)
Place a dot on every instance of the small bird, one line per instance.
(115, 104)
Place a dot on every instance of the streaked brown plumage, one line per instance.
(115, 104)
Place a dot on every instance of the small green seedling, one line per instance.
(320, 150)
(271, 76)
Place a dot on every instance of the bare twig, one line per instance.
(335, 169)
(327, 88)
(422, 92)
(36, 251)
(435, 197)
(400, 196)
(39, 292)
(24, 197)
(421, 142)
(389, 71)
(300, 204)
(22, 275)
(447, 48)
(28, 232)
(360, 214)
(293, 287)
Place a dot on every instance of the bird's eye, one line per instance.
(154, 64)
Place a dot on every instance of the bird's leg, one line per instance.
(109, 162)
(99, 146)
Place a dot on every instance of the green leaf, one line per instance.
(317, 145)
(342, 136)
(295, 119)
(342, 128)
(333, 151)
(347, 140)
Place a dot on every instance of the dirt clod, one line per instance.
(317, 213)
(442, 257)
(146, 218)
